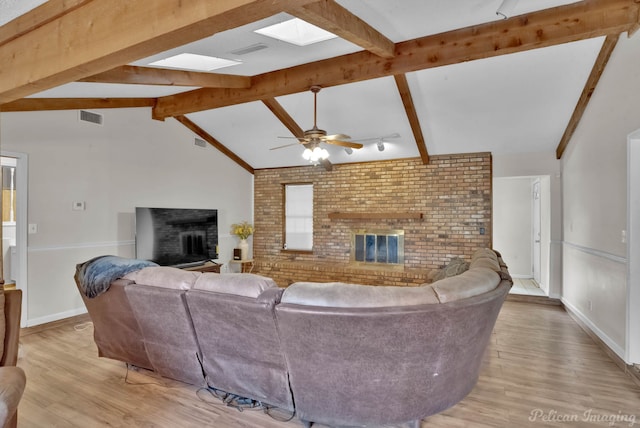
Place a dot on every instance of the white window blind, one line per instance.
(299, 217)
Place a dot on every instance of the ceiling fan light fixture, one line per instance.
(349, 150)
(380, 146)
(315, 155)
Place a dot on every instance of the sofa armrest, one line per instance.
(12, 383)
(12, 313)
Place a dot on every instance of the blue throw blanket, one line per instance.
(96, 275)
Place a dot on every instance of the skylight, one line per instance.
(297, 32)
(187, 61)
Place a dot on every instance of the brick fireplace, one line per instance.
(443, 210)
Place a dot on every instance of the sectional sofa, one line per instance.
(12, 378)
(334, 353)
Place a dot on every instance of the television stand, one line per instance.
(205, 267)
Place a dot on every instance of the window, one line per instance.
(298, 212)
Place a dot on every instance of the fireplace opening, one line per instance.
(377, 247)
(193, 243)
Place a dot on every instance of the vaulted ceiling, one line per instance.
(426, 77)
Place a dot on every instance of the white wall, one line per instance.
(130, 161)
(512, 223)
(595, 191)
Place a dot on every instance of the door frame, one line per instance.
(22, 196)
(536, 229)
(632, 351)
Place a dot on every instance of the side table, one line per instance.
(207, 267)
(246, 266)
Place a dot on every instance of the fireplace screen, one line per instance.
(378, 246)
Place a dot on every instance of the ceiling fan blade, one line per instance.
(384, 137)
(301, 139)
(336, 137)
(344, 144)
(286, 145)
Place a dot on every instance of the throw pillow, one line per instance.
(455, 267)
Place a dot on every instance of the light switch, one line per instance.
(33, 228)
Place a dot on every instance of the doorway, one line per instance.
(521, 230)
(14, 223)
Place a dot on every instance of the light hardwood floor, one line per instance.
(526, 286)
(540, 369)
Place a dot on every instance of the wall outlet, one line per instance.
(623, 236)
(79, 206)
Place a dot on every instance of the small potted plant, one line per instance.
(243, 231)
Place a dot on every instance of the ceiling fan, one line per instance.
(314, 136)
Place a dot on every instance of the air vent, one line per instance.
(200, 143)
(87, 116)
(249, 49)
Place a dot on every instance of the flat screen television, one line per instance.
(176, 236)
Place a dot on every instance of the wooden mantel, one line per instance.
(374, 216)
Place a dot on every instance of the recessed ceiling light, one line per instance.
(297, 32)
(187, 61)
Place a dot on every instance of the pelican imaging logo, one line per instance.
(589, 415)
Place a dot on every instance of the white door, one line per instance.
(535, 220)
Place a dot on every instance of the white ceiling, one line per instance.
(516, 103)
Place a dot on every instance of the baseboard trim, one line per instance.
(540, 300)
(72, 321)
(56, 317)
(632, 371)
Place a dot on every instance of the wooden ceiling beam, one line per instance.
(549, 27)
(41, 15)
(412, 115)
(135, 75)
(596, 72)
(42, 104)
(99, 35)
(215, 143)
(283, 116)
(332, 17)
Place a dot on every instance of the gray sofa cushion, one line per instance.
(471, 283)
(165, 277)
(384, 366)
(238, 284)
(342, 295)
(167, 331)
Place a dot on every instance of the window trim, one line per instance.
(284, 248)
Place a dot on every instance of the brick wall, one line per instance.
(453, 192)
